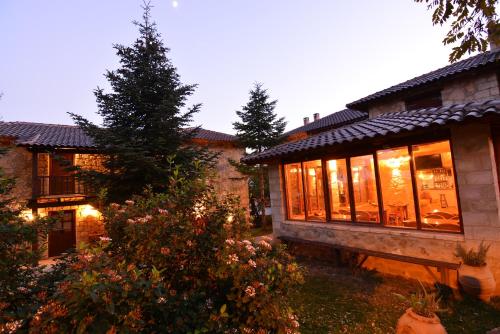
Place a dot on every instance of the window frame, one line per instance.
(373, 151)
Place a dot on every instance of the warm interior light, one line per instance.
(312, 172)
(396, 162)
(89, 210)
(27, 215)
(396, 173)
(332, 165)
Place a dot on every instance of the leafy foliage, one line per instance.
(259, 129)
(175, 262)
(20, 291)
(422, 303)
(473, 21)
(472, 257)
(144, 124)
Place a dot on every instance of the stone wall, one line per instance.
(386, 107)
(479, 201)
(17, 163)
(474, 89)
(89, 161)
(477, 88)
(227, 179)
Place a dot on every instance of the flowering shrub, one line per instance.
(177, 263)
(22, 287)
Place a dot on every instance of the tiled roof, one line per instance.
(472, 63)
(336, 119)
(382, 125)
(50, 135)
(70, 136)
(214, 136)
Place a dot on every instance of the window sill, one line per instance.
(379, 230)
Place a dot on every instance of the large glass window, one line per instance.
(436, 186)
(396, 187)
(315, 198)
(340, 207)
(416, 186)
(365, 189)
(294, 191)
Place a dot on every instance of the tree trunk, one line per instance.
(262, 200)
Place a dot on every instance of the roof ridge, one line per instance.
(481, 59)
(39, 123)
(382, 125)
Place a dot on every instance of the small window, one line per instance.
(435, 179)
(294, 191)
(315, 198)
(396, 187)
(365, 189)
(338, 188)
(428, 100)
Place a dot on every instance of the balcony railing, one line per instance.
(59, 185)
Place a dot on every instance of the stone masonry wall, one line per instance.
(478, 189)
(227, 179)
(89, 161)
(474, 164)
(478, 88)
(391, 106)
(475, 89)
(17, 163)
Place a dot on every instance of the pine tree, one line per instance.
(259, 129)
(145, 130)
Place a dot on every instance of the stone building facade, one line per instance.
(37, 157)
(465, 114)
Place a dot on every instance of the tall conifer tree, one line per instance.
(144, 125)
(259, 129)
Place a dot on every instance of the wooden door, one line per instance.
(63, 237)
(495, 136)
(62, 181)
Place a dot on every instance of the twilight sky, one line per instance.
(312, 55)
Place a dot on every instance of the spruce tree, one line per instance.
(259, 129)
(145, 128)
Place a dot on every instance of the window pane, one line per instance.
(294, 191)
(436, 186)
(315, 198)
(396, 187)
(339, 190)
(365, 189)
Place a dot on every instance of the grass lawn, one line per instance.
(259, 231)
(334, 300)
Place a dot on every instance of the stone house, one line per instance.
(46, 187)
(403, 185)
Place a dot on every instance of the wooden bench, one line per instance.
(443, 267)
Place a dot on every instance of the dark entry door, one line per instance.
(62, 181)
(63, 236)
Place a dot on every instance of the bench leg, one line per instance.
(432, 274)
(365, 257)
(445, 277)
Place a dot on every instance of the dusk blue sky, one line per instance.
(312, 56)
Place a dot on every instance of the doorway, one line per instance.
(63, 237)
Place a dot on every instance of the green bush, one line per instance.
(471, 257)
(22, 286)
(175, 263)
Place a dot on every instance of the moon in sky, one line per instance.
(175, 4)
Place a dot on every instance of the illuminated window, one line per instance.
(396, 187)
(294, 191)
(338, 187)
(436, 187)
(315, 199)
(365, 189)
